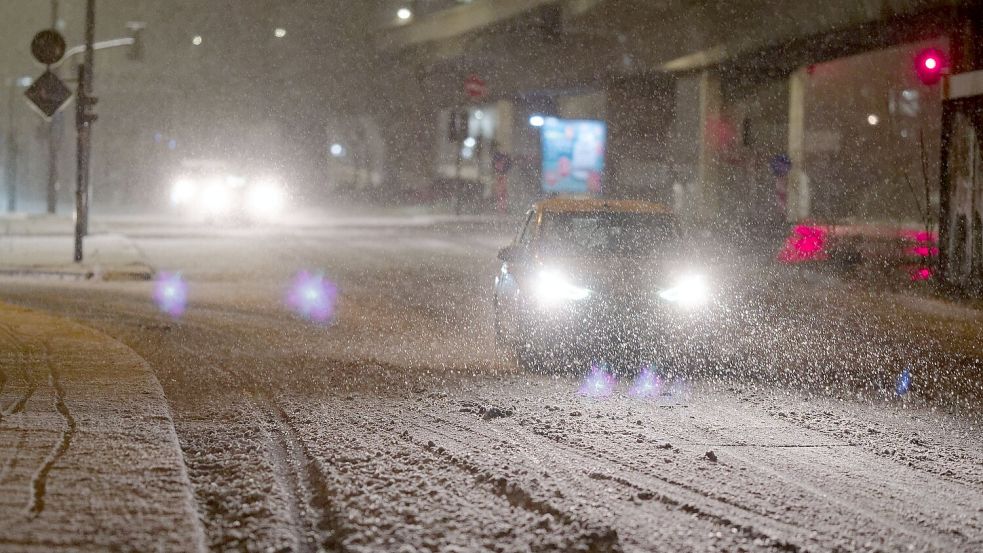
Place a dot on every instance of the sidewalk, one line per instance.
(89, 459)
(44, 246)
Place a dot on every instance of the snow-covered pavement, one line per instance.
(89, 460)
(397, 427)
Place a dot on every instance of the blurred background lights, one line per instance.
(337, 150)
(312, 296)
(470, 142)
(171, 293)
(265, 200)
(279, 32)
(403, 14)
(196, 40)
(537, 120)
(873, 119)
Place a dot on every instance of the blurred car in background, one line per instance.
(589, 279)
(208, 191)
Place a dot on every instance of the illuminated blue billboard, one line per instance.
(573, 156)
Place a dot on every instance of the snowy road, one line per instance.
(398, 429)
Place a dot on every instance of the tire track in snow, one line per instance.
(39, 482)
(875, 494)
(586, 536)
(443, 490)
(14, 341)
(673, 494)
(313, 523)
(821, 471)
(813, 472)
(316, 524)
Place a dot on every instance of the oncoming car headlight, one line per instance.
(553, 287)
(690, 290)
(265, 200)
(182, 192)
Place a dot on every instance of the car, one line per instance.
(597, 279)
(209, 191)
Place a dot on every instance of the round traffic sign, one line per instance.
(475, 87)
(48, 46)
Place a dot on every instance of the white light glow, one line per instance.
(216, 199)
(337, 150)
(196, 40)
(279, 32)
(873, 119)
(537, 121)
(553, 287)
(265, 200)
(470, 142)
(183, 192)
(404, 14)
(690, 291)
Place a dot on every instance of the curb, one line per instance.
(89, 454)
(82, 273)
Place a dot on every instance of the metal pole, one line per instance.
(82, 165)
(54, 136)
(11, 150)
(90, 54)
(84, 125)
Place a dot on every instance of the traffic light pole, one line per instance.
(83, 123)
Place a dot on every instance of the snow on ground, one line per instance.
(89, 459)
(398, 428)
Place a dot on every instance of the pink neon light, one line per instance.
(806, 243)
(921, 273)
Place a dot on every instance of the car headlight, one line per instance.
(182, 192)
(690, 290)
(216, 199)
(265, 200)
(552, 287)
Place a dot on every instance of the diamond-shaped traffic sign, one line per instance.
(48, 93)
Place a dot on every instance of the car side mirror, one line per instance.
(507, 253)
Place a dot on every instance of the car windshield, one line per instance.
(586, 234)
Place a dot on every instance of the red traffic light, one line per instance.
(930, 65)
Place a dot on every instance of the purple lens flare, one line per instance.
(171, 293)
(313, 297)
(599, 382)
(648, 384)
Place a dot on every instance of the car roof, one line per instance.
(575, 205)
